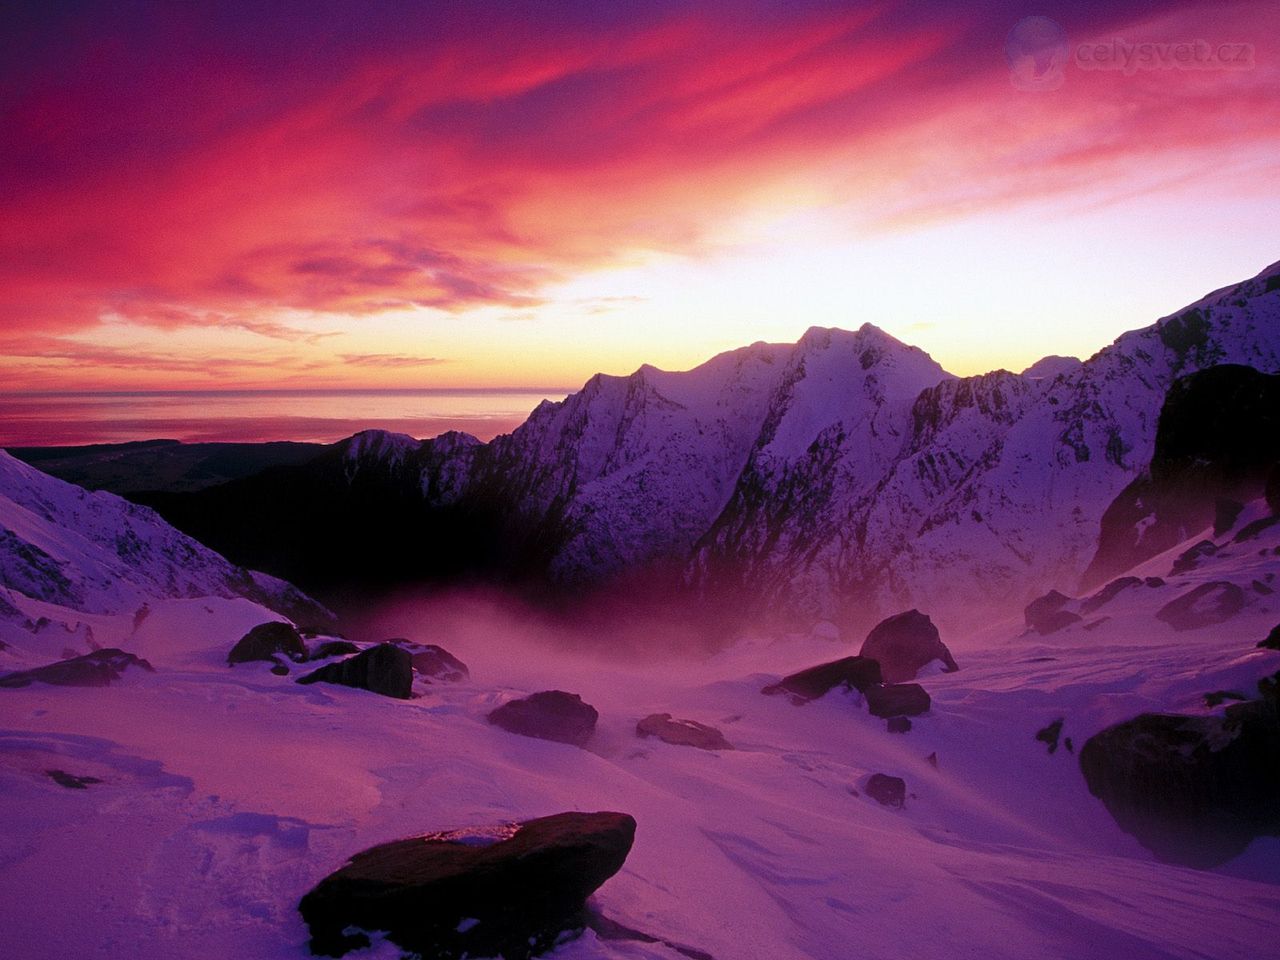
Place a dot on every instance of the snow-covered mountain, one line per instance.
(70, 558)
(843, 477)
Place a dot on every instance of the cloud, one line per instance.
(391, 360)
(195, 165)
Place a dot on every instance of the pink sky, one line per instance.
(453, 194)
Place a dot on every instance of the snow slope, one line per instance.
(227, 792)
(70, 559)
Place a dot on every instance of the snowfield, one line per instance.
(226, 793)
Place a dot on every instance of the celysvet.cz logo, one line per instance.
(1039, 55)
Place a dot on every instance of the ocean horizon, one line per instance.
(75, 418)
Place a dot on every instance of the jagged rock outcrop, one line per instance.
(508, 891)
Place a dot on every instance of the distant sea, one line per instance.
(255, 416)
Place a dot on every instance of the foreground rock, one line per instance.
(852, 673)
(333, 648)
(96, 669)
(549, 715)
(384, 669)
(265, 641)
(886, 790)
(1272, 639)
(1192, 790)
(904, 644)
(682, 733)
(508, 891)
(434, 662)
(1206, 605)
(1046, 615)
(898, 700)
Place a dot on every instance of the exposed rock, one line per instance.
(265, 640)
(1192, 790)
(1045, 615)
(280, 670)
(1108, 593)
(904, 644)
(1204, 606)
(509, 891)
(1190, 558)
(1049, 735)
(549, 715)
(1272, 641)
(897, 700)
(96, 669)
(886, 790)
(852, 673)
(333, 648)
(384, 669)
(438, 663)
(70, 780)
(1218, 697)
(898, 725)
(682, 733)
(1225, 514)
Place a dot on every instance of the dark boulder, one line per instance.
(1046, 615)
(333, 648)
(851, 673)
(1049, 734)
(96, 669)
(898, 700)
(549, 715)
(384, 669)
(1206, 605)
(1194, 790)
(682, 733)
(898, 725)
(905, 643)
(266, 640)
(1190, 558)
(437, 663)
(510, 891)
(886, 790)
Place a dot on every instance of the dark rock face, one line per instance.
(886, 790)
(1049, 734)
(682, 733)
(437, 663)
(266, 640)
(852, 673)
(508, 892)
(905, 643)
(1108, 593)
(1204, 606)
(898, 700)
(96, 669)
(549, 715)
(1192, 790)
(384, 669)
(1272, 641)
(898, 725)
(1045, 615)
(70, 780)
(1218, 440)
(334, 648)
(1190, 558)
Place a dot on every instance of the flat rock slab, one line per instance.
(384, 669)
(682, 733)
(851, 673)
(549, 715)
(96, 669)
(509, 890)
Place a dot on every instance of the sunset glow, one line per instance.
(473, 195)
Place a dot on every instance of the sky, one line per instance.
(521, 194)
